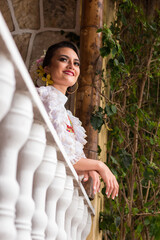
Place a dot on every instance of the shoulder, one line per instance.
(44, 92)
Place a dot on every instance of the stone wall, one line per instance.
(36, 24)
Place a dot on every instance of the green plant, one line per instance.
(132, 116)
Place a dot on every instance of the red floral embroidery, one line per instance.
(70, 128)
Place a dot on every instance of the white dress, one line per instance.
(68, 127)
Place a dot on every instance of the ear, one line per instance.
(47, 69)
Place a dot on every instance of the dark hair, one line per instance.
(52, 49)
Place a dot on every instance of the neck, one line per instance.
(62, 89)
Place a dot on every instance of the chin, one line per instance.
(71, 84)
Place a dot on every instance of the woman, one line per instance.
(61, 69)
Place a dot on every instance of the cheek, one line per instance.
(55, 71)
(78, 72)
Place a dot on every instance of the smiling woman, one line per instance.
(64, 68)
(60, 69)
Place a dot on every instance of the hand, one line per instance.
(88, 165)
(112, 186)
(79, 173)
(96, 181)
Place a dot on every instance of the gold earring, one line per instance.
(74, 90)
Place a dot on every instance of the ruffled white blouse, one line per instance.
(68, 127)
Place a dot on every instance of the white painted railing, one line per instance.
(40, 194)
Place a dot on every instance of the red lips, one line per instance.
(69, 72)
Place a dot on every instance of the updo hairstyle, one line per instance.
(52, 49)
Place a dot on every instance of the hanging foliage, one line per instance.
(132, 116)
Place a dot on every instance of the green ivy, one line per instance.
(132, 115)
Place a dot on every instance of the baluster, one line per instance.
(62, 206)
(77, 218)
(70, 213)
(87, 229)
(54, 192)
(83, 223)
(29, 158)
(42, 179)
(7, 85)
(14, 131)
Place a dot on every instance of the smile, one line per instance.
(70, 73)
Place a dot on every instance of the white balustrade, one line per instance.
(54, 192)
(14, 131)
(38, 198)
(83, 223)
(78, 218)
(42, 179)
(29, 159)
(70, 213)
(87, 228)
(62, 206)
(7, 83)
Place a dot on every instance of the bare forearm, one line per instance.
(86, 164)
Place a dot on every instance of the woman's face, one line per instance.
(64, 68)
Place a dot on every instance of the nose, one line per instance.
(71, 64)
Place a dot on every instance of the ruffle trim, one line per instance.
(54, 102)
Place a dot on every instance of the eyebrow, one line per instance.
(68, 57)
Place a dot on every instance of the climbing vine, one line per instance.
(131, 114)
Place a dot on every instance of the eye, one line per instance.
(62, 59)
(77, 64)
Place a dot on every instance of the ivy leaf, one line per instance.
(99, 150)
(117, 221)
(114, 160)
(110, 110)
(99, 30)
(105, 51)
(130, 120)
(135, 211)
(97, 122)
(148, 204)
(139, 228)
(102, 225)
(121, 58)
(126, 158)
(113, 108)
(146, 221)
(151, 141)
(116, 63)
(114, 52)
(148, 173)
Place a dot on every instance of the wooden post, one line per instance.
(91, 62)
(87, 97)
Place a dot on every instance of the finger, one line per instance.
(115, 190)
(94, 186)
(114, 193)
(86, 177)
(98, 185)
(117, 187)
(107, 187)
(110, 189)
